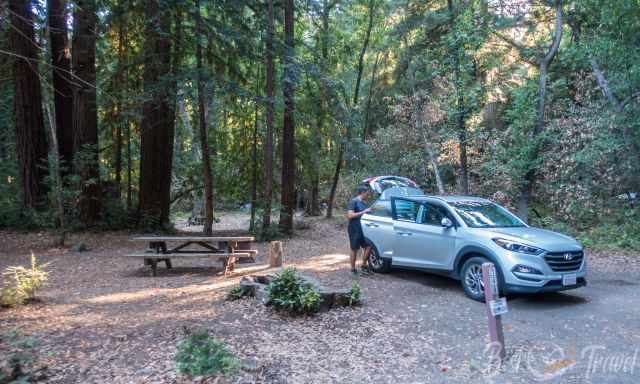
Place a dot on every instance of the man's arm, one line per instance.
(351, 214)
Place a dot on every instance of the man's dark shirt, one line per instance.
(356, 205)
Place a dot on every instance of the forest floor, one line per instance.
(103, 319)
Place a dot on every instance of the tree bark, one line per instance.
(119, 120)
(59, 197)
(63, 91)
(31, 142)
(157, 128)
(288, 192)
(254, 158)
(204, 142)
(543, 65)
(85, 113)
(268, 142)
(365, 128)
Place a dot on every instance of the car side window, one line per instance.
(381, 209)
(406, 210)
(433, 214)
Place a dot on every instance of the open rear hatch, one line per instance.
(386, 187)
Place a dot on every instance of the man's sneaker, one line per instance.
(354, 272)
(366, 271)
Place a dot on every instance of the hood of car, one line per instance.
(537, 237)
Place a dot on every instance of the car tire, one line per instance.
(377, 263)
(471, 278)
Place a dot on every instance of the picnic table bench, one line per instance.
(228, 249)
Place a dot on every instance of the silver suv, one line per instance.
(454, 235)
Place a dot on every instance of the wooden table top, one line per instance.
(240, 239)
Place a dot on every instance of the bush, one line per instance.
(25, 285)
(200, 354)
(21, 359)
(290, 293)
(355, 294)
(236, 293)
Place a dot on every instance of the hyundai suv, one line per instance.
(455, 235)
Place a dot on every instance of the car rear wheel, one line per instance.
(471, 278)
(377, 263)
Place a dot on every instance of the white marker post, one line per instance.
(496, 307)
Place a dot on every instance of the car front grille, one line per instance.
(564, 261)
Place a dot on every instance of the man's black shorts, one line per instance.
(357, 240)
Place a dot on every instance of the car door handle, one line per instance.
(372, 225)
(404, 233)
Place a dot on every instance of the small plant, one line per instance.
(236, 293)
(21, 360)
(355, 294)
(26, 283)
(200, 354)
(290, 293)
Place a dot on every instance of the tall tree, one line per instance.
(356, 92)
(31, 144)
(268, 142)
(85, 114)
(288, 192)
(157, 126)
(543, 67)
(63, 92)
(204, 141)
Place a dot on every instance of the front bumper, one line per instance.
(547, 280)
(549, 286)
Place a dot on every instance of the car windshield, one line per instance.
(482, 214)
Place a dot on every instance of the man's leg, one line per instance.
(365, 256)
(353, 259)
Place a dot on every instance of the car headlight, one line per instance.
(517, 247)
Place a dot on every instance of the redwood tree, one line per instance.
(61, 64)
(157, 128)
(288, 192)
(31, 144)
(268, 141)
(85, 115)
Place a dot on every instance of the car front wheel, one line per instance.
(471, 278)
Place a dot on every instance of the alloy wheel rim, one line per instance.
(374, 260)
(473, 280)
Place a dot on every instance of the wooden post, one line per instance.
(491, 296)
(275, 254)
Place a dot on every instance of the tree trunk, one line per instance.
(204, 143)
(529, 178)
(268, 142)
(63, 92)
(127, 132)
(157, 128)
(85, 113)
(254, 158)
(288, 192)
(365, 127)
(31, 142)
(55, 164)
(119, 121)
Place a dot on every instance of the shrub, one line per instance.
(21, 359)
(355, 294)
(200, 354)
(26, 283)
(236, 293)
(290, 293)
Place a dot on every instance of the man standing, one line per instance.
(355, 209)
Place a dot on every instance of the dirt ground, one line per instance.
(103, 319)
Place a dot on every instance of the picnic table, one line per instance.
(228, 249)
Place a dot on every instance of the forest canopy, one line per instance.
(123, 113)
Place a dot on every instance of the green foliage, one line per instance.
(355, 294)
(201, 354)
(290, 293)
(236, 293)
(22, 283)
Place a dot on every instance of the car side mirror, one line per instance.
(446, 222)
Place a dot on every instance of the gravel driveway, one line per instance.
(104, 320)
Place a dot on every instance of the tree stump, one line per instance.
(275, 254)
